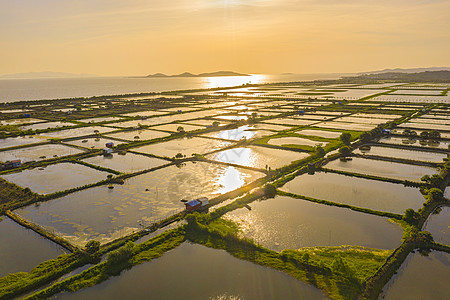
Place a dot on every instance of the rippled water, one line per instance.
(421, 277)
(58, 177)
(288, 223)
(105, 214)
(192, 271)
(258, 157)
(403, 153)
(382, 168)
(127, 163)
(438, 224)
(22, 249)
(373, 194)
(39, 152)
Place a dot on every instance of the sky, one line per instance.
(139, 37)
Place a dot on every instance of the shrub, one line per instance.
(345, 150)
(345, 138)
(270, 190)
(92, 246)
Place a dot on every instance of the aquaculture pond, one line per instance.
(190, 271)
(93, 143)
(424, 277)
(58, 177)
(403, 153)
(46, 125)
(22, 249)
(345, 126)
(415, 142)
(243, 132)
(39, 152)
(19, 141)
(382, 168)
(288, 223)
(258, 157)
(438, 224)
(290, 122)
(186, 146)
(106, 214)
(361, 192)
(321, 133)
(138, 135)
(75, 132)
(175, 127)
(283, 141)
(101, 119)
(127, 162)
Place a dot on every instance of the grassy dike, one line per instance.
(118, 260)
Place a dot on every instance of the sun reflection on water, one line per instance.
(226, 81)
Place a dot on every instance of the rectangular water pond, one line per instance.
(22, 249)
(438, 224)
(39, 152)
(93, 143)
(186, 146)
(285, 141)
(138, 135)
(321, 133)
(421, 277)
(288, 223)
(382, 168)
(415, 142)
(258, 157)
(105, 214)
(403, 153)
(176, 275)
(361, 192)
(19, 141)
(75, 132)
(126, 163)
(243, 132)
(54, 178)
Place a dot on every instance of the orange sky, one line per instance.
(137, 37)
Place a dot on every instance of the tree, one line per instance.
(345, 150)
(411, 216)
(435, 194)
(424, 134)
(92, 246)
(345, 138)
(180, 129)
(365, 137)
(320, 151)
(215, 124)
(270, 190)
(434, 135)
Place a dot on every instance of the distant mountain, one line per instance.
(412, 70)
(187, 74)
(33, 75)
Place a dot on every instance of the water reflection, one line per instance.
(213, 82)
(193, 271)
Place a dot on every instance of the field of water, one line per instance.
(382, 168)
(294, 141)
(106, 214)
(403, 153)
(288, 223)
(415, 142)
(19, 141)
(321, 133)
(243, 132)
(39, 152)
(190, 272)
(19, 242)
(355, 191)
(185, 146)
(438, 224)
(126, 163)
(54, 178)
(424, 277)
(138, 135)
(258, 157)
(93, 143)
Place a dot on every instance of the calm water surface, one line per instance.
(361, 192)
(288, 223)
(193, 271)
(22, 249)
(421, 278)
(438, 224)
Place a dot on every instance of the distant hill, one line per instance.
(33, 75)
(427, 76)
(412, 70)
(187, 74)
